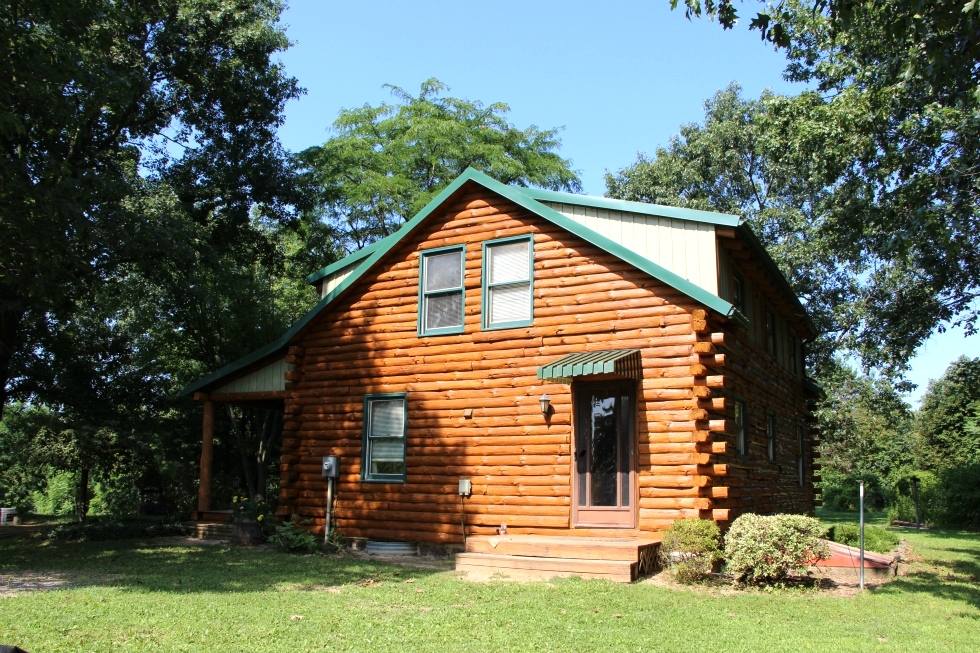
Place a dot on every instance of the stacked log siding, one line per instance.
(520, 463)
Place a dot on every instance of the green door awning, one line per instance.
(625, 362)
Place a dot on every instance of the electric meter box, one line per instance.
(331, 467)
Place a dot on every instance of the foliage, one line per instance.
(876, 538)
(767, 549)
(959, 497)
(245, 507)
(690, 548)
(104, 530)
(103, 101)
(949, 418)
(866, 435)
(293, 538)
(385, 163)
(897, 86)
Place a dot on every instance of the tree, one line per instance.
(949, 418)
(900, 82)
(866, 434)
(754, 158)
(385, 163)
(101, 97)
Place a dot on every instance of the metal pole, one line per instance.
(326, 530)
(862, 535)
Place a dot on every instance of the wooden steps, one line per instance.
(540, 557)
(209, 530)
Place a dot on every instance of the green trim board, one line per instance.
(659, 210)
(486, 286)
(378, 250)
(367, 448)
(626, 362)
(424, 295)
(348, 260)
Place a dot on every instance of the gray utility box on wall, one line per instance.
(331, 466)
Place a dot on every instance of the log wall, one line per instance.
(519, 462)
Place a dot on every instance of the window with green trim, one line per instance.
(741, 428)
(383, 448)
(508, 281)
(441, 291)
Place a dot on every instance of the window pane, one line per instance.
(510, 303)
(509, 262)
(445, 310)
(387, 418)
(387, 450)
(443, 271)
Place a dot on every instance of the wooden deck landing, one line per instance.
(540, 557)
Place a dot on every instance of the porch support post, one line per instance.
(207, 439)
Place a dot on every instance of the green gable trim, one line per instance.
(693, 215)
(618, 361)
(346, 261)
(370, 255)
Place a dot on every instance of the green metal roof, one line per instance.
(693, 215)
(370, 255)
(617, 361)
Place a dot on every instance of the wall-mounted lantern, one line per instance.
(545, 404)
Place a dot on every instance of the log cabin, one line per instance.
(592, 369)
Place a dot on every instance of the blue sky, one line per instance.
(619, 76)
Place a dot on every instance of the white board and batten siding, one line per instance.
(272, 377)
(331, 281)
(685, 247)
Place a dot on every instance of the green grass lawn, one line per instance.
(144, 597)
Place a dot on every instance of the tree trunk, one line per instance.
(82, 498)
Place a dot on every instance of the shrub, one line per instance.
(876, 538)
(767, 549)
(690, 548)
(959, 497)
(902, 507)
(291, 538)
(97, 531)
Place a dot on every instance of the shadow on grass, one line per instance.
(149, 566)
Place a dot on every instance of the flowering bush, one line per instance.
(244, 507)
(766, 549)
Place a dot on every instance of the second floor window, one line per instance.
(507, 283)
(441, 291)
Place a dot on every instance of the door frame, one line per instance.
(605, 517)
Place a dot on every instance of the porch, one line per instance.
(540, 557)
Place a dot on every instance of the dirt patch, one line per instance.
(21, 582)
(844, 585)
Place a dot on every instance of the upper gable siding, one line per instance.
(269, 378)
(684, 247)
(333, 280)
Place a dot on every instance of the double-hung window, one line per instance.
(771, 436)
(508, 290)
(441, 291)
(741, 428)
(800, 459)
(383, 447)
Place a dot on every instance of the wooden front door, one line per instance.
(604, 464)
